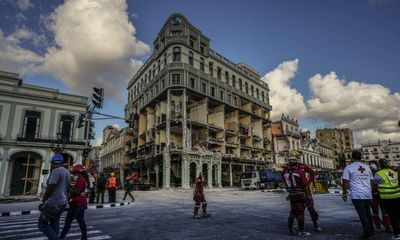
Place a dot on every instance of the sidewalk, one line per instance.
(31, 207)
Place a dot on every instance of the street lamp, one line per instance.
(59, 147)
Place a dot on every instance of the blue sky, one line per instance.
(357, 40)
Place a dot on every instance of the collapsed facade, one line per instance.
(193, 110)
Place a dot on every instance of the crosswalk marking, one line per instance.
(25, 228)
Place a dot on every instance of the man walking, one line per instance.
(311, 178)
(358, 178)
(299, 193)
(199, 198)
(112, 187)
(101, 187)
(389, 191)
(134, 176)
(55, 198)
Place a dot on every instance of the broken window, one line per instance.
(66, 127)
(31, 124)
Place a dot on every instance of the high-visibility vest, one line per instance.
(389, 189)
(112, 182)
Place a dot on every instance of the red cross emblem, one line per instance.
(361, 169)
(390, 174)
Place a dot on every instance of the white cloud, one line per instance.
(93, 44)
(371, 110)
(283, 97)
(14, 57)
(96, 44)
(24, 5)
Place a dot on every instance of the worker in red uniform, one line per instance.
(199, 198)
(112, 187)
(377, 204)
(299, 193)
(311, 177)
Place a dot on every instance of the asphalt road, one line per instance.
(235, 215)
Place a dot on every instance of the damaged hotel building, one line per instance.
(193, 110)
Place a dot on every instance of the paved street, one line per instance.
(235, 215)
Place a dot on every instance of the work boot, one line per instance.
(317, 228)
(304, 234)
(196, 216)
(206, 215)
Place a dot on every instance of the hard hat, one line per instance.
(78, 168)
(112, 174)
(294, 153)
(293, 160)
(57, 158)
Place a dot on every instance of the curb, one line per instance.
(97, 206)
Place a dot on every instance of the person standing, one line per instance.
(389, 191)
(377, 205)
(199, 198)
(101, 187)
(311, 178)
(77, 202)
(358, 178)
(299, 193)
(55, 198)
(92, 186)
(112, 187)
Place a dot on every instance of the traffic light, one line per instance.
(91, 131)
(98, 97)
(81, 121)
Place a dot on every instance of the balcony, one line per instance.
(39, 139)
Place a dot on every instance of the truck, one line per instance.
(261, 179)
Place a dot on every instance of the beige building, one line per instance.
(382, 149)
(340, 140)
(114, 150)
(193, 110)
(286, 137)
(315, 153)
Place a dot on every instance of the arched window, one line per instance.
(176, 54)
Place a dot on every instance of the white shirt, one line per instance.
(359, 176)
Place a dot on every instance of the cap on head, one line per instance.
(78, 168)
(57, 158)
(293, 156)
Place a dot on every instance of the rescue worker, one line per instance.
(299, 193)
(377, 204)
(77, 202)
(199, 198)
(112, 187)
(311, 178)
(389, 191)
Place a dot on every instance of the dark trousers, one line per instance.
(297, 208)
(98, 193)
(128, 191)
(111, 195)
(377, 206)
(393, 208)
(92, 195)
(200, 200)
(77, 213)
(363, 208)
(49, 221)
(311, 210)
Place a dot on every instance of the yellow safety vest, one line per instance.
(390, 188)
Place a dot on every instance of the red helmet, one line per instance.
(78, 168)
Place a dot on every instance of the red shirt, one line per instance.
(80, 199)
(199, 185)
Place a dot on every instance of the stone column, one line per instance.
(185, 172)
(230, 175)
(3, 172)
(219, 174)
(209, 177)
(157, 171)
(167, 156)
(148, 175)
